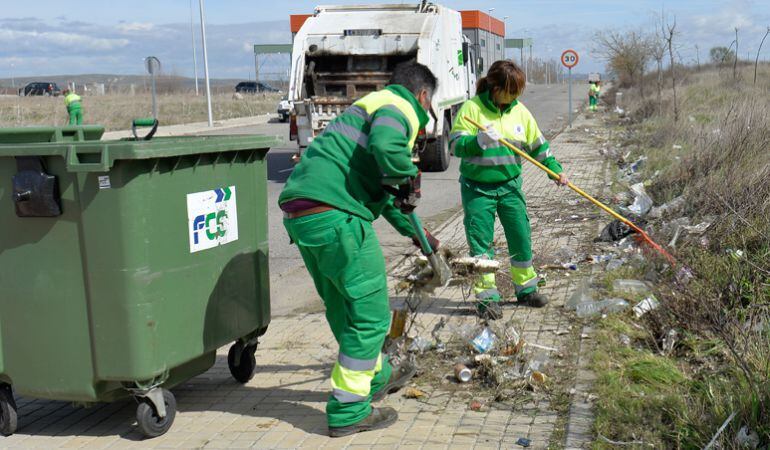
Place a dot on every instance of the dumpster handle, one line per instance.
(74, 165)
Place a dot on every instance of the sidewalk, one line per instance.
(283, 406)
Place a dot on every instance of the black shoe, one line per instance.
(398, 379)
(534, 299)
(489, 310)
(379, 418)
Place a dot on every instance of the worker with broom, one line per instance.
(360, 167)
(491, 182)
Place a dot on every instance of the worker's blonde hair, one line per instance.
(503, 75)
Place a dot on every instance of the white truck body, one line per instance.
(342, 53)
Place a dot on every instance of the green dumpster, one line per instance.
(124, 265)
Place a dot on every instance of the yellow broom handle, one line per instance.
(553, 174)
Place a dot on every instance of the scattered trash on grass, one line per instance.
(642, 202)
(610, 305)
(625, 340)
(669, 342)
(614, 231)
(666, 209)
(583, 294)
(475, 405)
(747, 438)
(646, 305)
(630, 287)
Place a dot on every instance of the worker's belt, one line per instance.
(307, 212)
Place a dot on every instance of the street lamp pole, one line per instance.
(13, 81)
(195, 58)
(505, 31)
(206, 65)
(489, 33)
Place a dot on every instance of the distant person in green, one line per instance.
(74, 107)
(593, 94)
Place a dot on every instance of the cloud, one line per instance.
(135, 27)
(65, 46)
(54, 40)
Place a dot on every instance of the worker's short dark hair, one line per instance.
(415, 77)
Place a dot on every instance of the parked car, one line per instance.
(253, 87)
(284, 108)
(40, 88)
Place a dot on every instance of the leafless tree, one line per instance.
(756, 61)
(669, 29)
(626, 54)
(735, 60)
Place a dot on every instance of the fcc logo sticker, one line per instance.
(212, 218)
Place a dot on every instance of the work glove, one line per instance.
(432, 241)
(489, 138)
(408, 195)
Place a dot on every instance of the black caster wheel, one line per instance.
(150, 423)
(8, 417)
(242, 362)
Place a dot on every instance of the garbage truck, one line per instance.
(341, 53)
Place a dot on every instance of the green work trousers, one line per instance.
(75, 115)
(343, 255)
(481, 203)
(592, 103)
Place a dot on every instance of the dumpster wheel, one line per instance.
(147, 417)
(8, 416)
(242, 361)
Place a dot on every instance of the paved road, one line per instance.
(291, 288)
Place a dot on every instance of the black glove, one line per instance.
(432, 241)
(408, 195)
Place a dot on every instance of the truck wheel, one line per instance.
(150, 424)
(241, 361)
(435, 157)
(8, 415)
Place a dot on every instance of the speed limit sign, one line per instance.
(569, 58)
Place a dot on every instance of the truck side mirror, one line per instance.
(465, 53)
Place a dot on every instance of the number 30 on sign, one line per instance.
(569, 58)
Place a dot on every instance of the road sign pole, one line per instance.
(569, 113)
(569, 59)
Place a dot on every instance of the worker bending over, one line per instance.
(74, 108)
(359, 168)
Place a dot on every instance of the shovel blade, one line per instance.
(442, 274)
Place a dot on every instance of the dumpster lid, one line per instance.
(30, 135)
(99, 156)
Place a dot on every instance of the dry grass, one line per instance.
(116, 112)
(716, 156)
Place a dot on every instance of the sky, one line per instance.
(94, 36)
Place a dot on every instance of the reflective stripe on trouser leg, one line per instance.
(485, 288)
(524, 280)
(352, 378)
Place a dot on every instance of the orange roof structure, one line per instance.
(479, 19)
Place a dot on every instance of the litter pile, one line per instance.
(489, 360)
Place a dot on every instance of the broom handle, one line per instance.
(553, 174)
